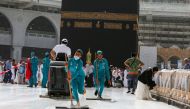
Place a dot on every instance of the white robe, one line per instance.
(142, 92)
(125, 78)
(39, 73)
(88, 69)
(14, 76)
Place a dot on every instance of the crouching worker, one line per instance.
(145, 84)
(75, 66)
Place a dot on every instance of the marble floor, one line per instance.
(21, 97)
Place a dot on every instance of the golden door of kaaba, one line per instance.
(108, 25)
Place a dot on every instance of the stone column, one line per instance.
(169, 65)
(179, 64)
(162, 65)
(17, 52)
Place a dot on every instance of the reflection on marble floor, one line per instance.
(22, 97)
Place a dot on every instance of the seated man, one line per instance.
(61, 51)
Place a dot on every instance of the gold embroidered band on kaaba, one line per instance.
(99, 15)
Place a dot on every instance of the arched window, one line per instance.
(5, 26)
(5, 42)
(174, 62)
(41, 27)
(160, 62)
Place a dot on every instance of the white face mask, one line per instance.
(76, 58)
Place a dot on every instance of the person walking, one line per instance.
(133, 64)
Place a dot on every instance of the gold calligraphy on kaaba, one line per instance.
(84, 20)
(99, 15)
(83, 24)
(112, 25)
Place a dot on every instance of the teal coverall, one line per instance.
(78, 76)
(34, 69)
(101, 72)
(45, 71)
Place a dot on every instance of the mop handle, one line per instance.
(69, 81)
(71, 98)
(96, 70)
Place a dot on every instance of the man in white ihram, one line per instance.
(59, 51)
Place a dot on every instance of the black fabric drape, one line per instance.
(146, 78)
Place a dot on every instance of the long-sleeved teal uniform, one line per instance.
(45, 70)
(34, 69)
(101, 72)
(78, 76)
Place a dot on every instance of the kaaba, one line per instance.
(107, 25)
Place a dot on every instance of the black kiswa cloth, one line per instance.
(82, 107)
(146, 78)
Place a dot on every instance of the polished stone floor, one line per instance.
(21, 97)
